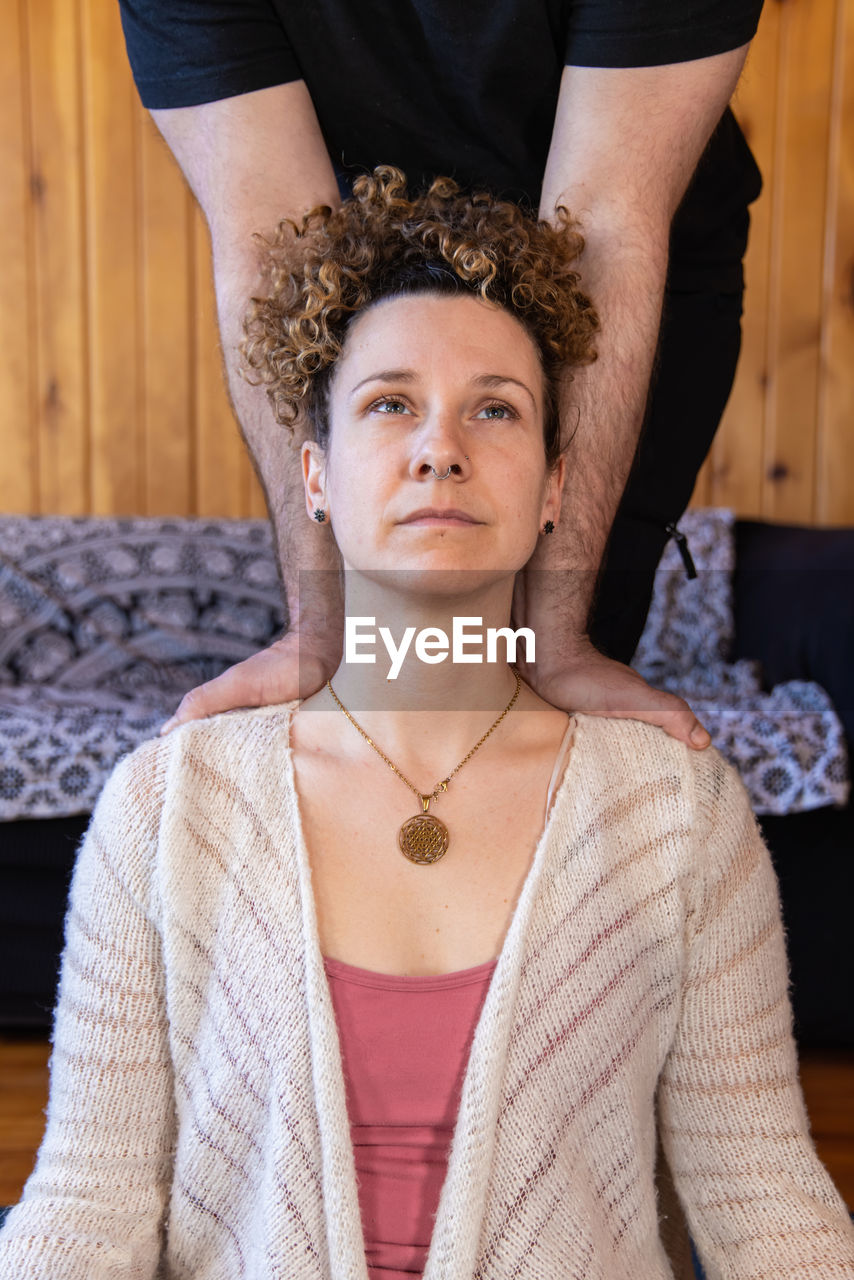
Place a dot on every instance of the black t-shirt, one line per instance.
(439, 86)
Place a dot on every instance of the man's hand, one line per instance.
(570, 673)
(591, 683)
(296, 667)
(293, 667)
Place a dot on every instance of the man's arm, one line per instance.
(252, 160)
(625, 144)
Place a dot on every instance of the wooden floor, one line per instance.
(828, 1081)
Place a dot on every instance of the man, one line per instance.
(603, 107)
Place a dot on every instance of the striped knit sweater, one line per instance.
(197, 1125)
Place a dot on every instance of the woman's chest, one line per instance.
(377, 908)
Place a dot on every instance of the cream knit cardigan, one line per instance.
(197, 1125)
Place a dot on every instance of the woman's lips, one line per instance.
(430, 516)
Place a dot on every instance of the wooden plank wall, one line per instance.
(785, 449)
(111, 386)
(111, 395)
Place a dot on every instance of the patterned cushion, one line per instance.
(106, 623)
(690, 620)
(788, 744)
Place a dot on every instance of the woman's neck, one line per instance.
(409, 704)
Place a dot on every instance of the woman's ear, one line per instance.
(314, 479)
(554, 492)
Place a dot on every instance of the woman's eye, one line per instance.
(496, 412)
(389, 407)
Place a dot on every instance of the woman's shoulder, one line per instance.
(175, 797)
(633, 753)
(687, 810)
(643, 745)
(219, 733)
(225, 746)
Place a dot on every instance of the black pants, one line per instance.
(697, 356)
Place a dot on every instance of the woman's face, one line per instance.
(426, 384)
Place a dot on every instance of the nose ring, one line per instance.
(436, 473)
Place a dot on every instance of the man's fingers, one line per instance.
(599, 686)
(280, 673)
(669, 712)
(226, 691)
(679, 721)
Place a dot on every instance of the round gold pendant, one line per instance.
(423, 839)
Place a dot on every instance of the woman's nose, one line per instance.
(439, 446)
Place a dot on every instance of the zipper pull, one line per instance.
(682, 543)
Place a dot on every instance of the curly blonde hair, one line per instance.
(381, 244)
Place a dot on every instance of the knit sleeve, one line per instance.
(733, 1123)
(94, 1205)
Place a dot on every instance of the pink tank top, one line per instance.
(405, 1046)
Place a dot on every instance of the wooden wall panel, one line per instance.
(835, 452)
(113, 278)
(167, 305)
(256, 503)
(799, 196)
(736, 462)
(785, 449)
(18, 490)
(225, 479)
(111, 391)
(60, 425)
(220, 481)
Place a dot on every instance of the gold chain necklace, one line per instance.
(424, 838)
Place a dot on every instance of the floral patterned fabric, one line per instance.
(106, 623)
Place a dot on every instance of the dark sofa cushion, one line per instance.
(813, 855)
(794, 608)
(36, 860)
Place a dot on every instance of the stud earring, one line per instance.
(548, 527)
(319, 515)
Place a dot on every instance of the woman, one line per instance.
(308, 945)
